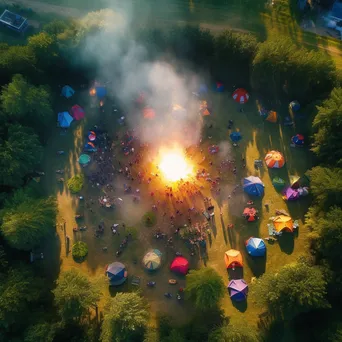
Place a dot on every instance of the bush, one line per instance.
(149, 219)
(75, 184)
(79, 250)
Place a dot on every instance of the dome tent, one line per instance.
(67, 91)
(255, 247)
(274, 159)
(116, 273)
(152, 260)
(240, 95)
(238, 290)
(180, 265)
(233, 258)
(253, 186)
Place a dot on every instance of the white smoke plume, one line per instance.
(124, 62)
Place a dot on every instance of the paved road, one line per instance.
(41, 7)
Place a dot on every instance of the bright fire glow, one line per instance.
(174, 165)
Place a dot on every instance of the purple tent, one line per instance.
(291, 194)
(238, 290)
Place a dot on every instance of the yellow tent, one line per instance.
(272, 116)
(283, 222)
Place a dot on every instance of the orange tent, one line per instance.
(283, 222)
(272, 116)
(233, 258)
(274, 160)
(204, 108)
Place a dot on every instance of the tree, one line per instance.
(125, 318)
(56, 27)
(26, 225)
(326, 186)
(205, 287)
(26, 103)
(294, 289)
(328, 127)
(280, 67)
(19, 289)
(237, 332)
(40, 332)
(18, 155)
(74, 295)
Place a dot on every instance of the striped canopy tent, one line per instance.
(298, 140)
(152, 260)
(240, 95)
(283, 223)
(255, 247)
(274, 160)
(253, 186)
(238, 290)
(116, 273)
(233, 258)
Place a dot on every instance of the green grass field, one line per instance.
(258, 138)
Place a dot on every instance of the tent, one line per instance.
(100, 91)
(272, 116)
(91, 136)
(278, 182)
(253, 186)
(116, 273)
(204, 110)
(274, 160)
(295, 106)
(291, 194)
(180, 265)
(255, 247)
(67, 91)
(298, 140)
(219, 87)
(238, 290)
(240, 95)
(84, 159)
(149, 113)
(77, 112)
(178, 111)
(152, 260)
(233, 258)
(64, 119)
(250, 214)
(283, 222)
(299, 181)
(235, 136)
(90, 147)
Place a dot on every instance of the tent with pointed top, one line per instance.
(283, 223)
(233, 258)
(253, 186)
(238, 290)
(64, 119)
(77, 112)
(67, 91)
(116, 273)
(255, 247)
(152, 260)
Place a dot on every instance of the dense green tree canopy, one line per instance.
(40, 332)
(19, 154)
(75, 295)
(205, 287)
(281, 68)
(328, 126)
(125, 318)
(235, 332)
(27, 103)
(18, 290)
(295, 288)
(26, 224)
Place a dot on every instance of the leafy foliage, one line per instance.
(328, 127)
(27, 223)
(295, 288)
(40, 332)
(280, 67)
(75, 184)
(237, 332)
(18, 155)
(125, 318)
(27, 103)
(205, 287)
(79, 250)
(18, 290)
(74, 295)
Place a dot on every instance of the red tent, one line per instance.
(77, 112)
(250, 214)
(180, 265)
(240, 95)
(149, 113)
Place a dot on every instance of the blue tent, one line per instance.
(219, 87)
(100, 92)
(235, 136)
(116, 273)
(295, 106)
(67, 91)
(64, 119)
(255, 247)
(253, 186)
